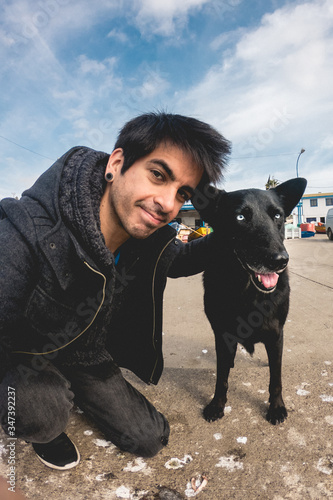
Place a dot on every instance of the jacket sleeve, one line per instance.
(191, 257)
(17, 271)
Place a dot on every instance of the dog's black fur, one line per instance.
(247, 242)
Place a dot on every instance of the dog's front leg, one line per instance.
(277, 412)
(225, 356)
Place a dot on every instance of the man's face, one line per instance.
(151, 192)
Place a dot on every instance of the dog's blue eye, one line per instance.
(240, 217)
(277, 216)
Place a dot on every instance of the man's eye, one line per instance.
(184, 195)
(157, 174)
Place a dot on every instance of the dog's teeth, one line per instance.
(259, 278)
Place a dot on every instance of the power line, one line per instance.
(233, 158)
(27, 149)
(260, 156)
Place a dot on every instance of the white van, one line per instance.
(329, 224)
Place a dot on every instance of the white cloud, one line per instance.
(226, 39)
(165, 17)
(118, 35)
(274, 90)
(25, 20)
(152, 85)
(269, 90)
(96, 67)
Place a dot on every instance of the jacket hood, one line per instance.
(45, 191)
(38, 216)
(49, 182)
(81, 188)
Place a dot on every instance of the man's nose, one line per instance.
(167, 200)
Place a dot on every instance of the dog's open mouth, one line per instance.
(264, 282)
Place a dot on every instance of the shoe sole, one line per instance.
(62, 467)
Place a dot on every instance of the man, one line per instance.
(84, 258)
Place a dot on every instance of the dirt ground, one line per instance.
(242, 456)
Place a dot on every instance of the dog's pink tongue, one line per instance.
(268, 280)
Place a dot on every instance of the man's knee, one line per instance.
(42, 404)
(39, 427)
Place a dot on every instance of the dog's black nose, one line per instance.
(280, 260)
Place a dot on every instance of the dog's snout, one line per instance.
(280, 260)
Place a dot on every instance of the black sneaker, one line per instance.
(60, 453)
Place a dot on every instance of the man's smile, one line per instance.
(153, 216)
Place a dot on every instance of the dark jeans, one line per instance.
(44, 400)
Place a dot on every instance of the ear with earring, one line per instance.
(108, 177)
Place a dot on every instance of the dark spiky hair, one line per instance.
(207, 147)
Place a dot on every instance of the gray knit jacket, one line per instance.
(62, 297)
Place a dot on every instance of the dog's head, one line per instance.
(251, 223)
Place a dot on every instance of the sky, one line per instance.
(73, 72)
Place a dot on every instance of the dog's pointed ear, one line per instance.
(290, 192)
(206, 199)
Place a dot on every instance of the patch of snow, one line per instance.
(326, 399)
(230, 463)
(329, 419)
(102, 442)
(176, 463)
(325, 465)
(302, 392)
(136, 466)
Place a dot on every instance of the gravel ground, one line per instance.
(242, 456)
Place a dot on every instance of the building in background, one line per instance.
(189, 216)
(314, 207)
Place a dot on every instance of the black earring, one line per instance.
(108, 177)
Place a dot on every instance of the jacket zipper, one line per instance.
(154, 305)
(83, 331)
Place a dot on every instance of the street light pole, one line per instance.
(299, 205)
(301, 152)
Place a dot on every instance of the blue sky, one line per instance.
(260, 71)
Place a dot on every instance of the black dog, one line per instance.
(246, 282)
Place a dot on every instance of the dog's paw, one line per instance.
(213, 412)
(276, 414)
